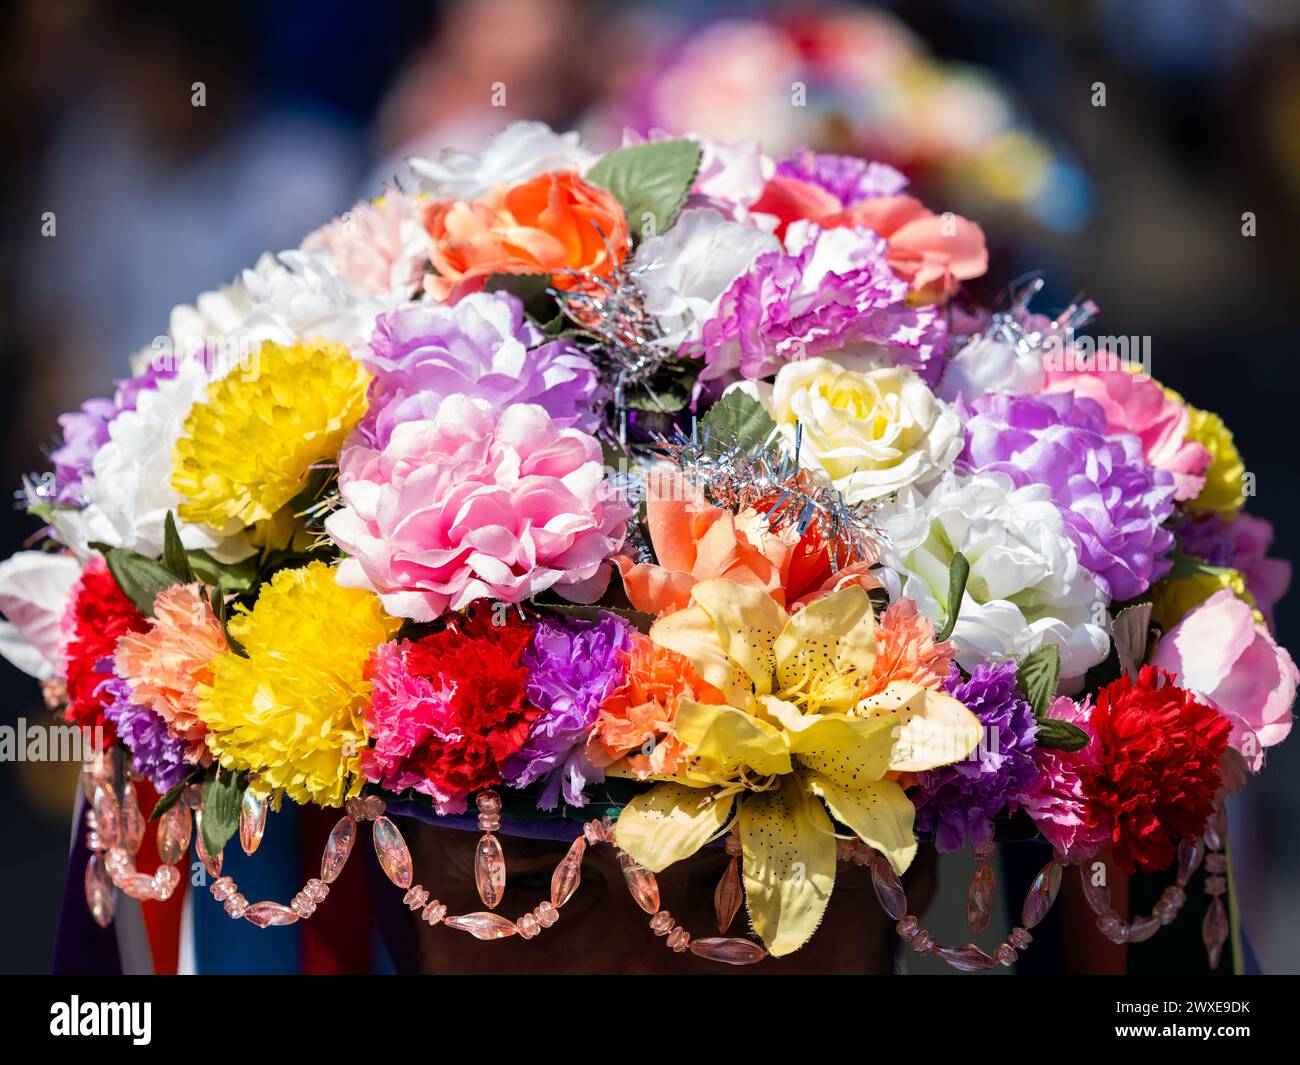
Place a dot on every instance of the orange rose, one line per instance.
(549, 224)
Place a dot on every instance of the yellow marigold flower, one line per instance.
(291, 712)
(248, 448)
(1224, 491)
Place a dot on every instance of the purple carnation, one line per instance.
(573, 665)
(85, 431)
(830, 290)
(483, 347)
(958, 802)
(846, 177)
(155, 752)
(1114, 503)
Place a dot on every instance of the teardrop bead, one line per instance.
(568, 874)
(640, 882)
(165, 879)
(337, 849)
(1042, 894)
(889, 889)
(483, 925)
(210, 864)
(107, 818)
(728, 951)
(1214, 931)
(727, 897)
(394, 857)
(1097, 895)
(138, 886)
(132, 824)
(1190, 852)
(979, 899)
(1216, 829)
(99, 892)
(969, 959)
(174, 834)
(266, 914)
(252, 821)
(490, 870)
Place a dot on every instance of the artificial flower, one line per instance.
(958, 802)
(992, 363)
(870, 432)
(476, 503)
(792, 732)
(250, 445)
(1240, 543)
(1224, 490)
(290, 710)
(378, 247)
(447, 710)
(1114, 504)
(573, 665)
(35, 588)
(483, 347)
(830, 290)
(555, 224)
(846, 177)
(521, 151)
(1026, 587)
(1230, 661)
(166, 663)
(1056, 800)
(155, 752)
(1189, 584)
(1157, 770)
(906, 649)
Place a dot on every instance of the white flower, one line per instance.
(685, 272)
(34, 590)
(872, 432)
(378, 247)
(520, 151)
(992, 364)
(1026, 586)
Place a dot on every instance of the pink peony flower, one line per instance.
(379, 247)
(476, 503)
(1138, 405)
(1219, 652)
(1056, 802)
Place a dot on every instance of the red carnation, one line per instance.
(98, 614)
(1158, 752)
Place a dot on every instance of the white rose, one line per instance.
(520, 151)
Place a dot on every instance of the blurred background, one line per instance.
(1115, 146)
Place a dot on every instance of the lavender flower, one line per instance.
(846, 177)
(958, 802)
(483, 347)
(155, 752)
(573, 665)
(830, 291)
(1112, 501)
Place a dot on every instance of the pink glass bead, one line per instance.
(394, 857)
(1005, 955)
(1214, 931)
(415, 898)
(969, 958)
(733, 844)
(1215, 885)
(107, 819)
(174, 833)
(596, 831)
(727, 895)
(1175, 896)
(1020, 938)
(889, 889)
(661, 923)
(483, 925)
(489, 870)
(1042, 894)
(641, 883)
(222, 888)
(1097, 895)
(489, 811)
(165, 880)
(119, 865)
(337, 849)
(252, 821)
(266, 914)
(373, 807)
(99, 892)
(908, 926)
(528, 926)
(923, 942)
(979, 899)
(1112, 927)
(1216, 862)
(302, 905)
(1143, 929)
(568, 874)
(212, 865)
(433, 913)
(1189, 857)
(1216, 829)
(138, 886)
(355, 808)
(132, 825)
(728, 951)
(678, 939)
(546, 913)
(236, 906)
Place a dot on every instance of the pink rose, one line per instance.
(1138, 405)
(476, 503)
(1229, 660)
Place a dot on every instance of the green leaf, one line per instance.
(172, 795)
(221, 803)
(235, 576)
(1129, 630)
(1038, 675)
(958, 574)
(1052, 732)
(217, 600)
(737, 421)
(140, 578)
(651, 181)
(174, 558)
(530, 289)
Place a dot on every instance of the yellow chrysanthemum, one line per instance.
(248, 448)
(291, 712)
(1224, 491)
(1181, 593)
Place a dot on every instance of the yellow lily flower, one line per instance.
(793, 740)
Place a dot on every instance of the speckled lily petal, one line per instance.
(670, 822)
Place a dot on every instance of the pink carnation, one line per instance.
(379, 247)
(1056, 801)
(1138, 405)
(477, 503)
